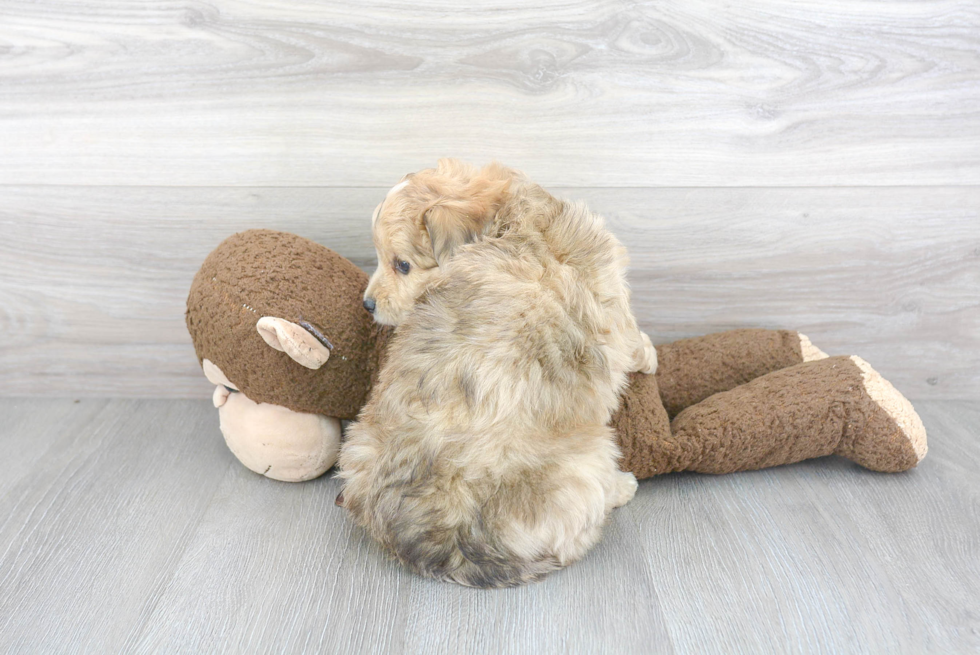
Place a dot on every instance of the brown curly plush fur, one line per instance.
(267, 273)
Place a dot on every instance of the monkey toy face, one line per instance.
(270, 439)
(279, 328)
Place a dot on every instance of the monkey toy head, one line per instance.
(278, 326)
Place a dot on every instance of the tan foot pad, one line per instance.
(893, 427)
(810, 352)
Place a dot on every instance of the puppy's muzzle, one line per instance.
(370, 304)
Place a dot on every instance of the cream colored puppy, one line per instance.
(483, 455)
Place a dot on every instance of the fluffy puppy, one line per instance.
(483, 455)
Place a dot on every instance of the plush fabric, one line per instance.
(744, 400)
(690, 370)
(266, 273)
(277, 442)
(809, 410)
(642, 427)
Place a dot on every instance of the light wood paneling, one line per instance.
(681, 93)
(129, 527)
(93, 280)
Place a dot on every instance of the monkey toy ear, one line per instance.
(293, 340)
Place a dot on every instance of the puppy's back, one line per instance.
(483, 456)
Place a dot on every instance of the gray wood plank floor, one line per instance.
(127, 526)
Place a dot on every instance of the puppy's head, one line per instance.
(420, 224)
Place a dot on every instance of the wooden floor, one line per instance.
(127, 526)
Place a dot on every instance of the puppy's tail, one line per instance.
(486, 565)
(467, 556)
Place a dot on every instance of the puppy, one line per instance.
(483, 455)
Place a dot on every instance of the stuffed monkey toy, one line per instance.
(751, 399)
(278, 326)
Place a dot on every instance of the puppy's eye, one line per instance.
(403, 266)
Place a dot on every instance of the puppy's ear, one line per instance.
(449, 226)
(464, 205)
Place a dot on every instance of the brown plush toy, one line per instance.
(278, 325)
(751, 399)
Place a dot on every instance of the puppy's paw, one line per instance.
(625, 488)
(648, 358)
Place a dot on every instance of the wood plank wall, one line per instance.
(772, 164)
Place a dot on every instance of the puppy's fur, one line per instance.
(483, 455)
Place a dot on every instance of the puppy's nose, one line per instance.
(369, 304)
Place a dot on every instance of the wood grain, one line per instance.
(269, 569)
(128, 527)
(813, 166)
(89, 536)
(230, 92)
(822, 568)
(93, 281)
